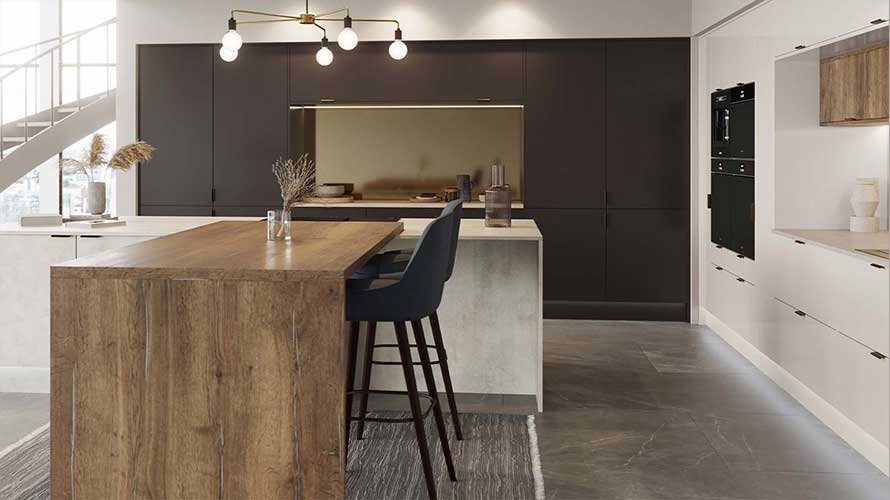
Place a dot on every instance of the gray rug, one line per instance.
(497, 460)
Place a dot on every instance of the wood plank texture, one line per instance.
(239, 250)
(169, 384)
(853, 88)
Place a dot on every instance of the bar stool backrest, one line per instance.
(453, 208)
(422, 283)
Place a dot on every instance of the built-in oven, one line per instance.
(732, 122)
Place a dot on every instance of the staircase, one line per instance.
(41, 111)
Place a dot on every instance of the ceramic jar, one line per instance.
(865, 197)
(96, 198)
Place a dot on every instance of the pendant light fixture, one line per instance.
(347, 39)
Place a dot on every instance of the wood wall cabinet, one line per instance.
(250, 125)
(854, 88)
(565, 124)
(176, 117)
(647, 123)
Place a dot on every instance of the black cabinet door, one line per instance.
(565, 124)
(175, 211)
(647, 256)
(432, 72)
(741, 132)
(305, 74)
(647, 124)
(574, 254)
(742, 222)
(176, 117)
(250, 125)
(721, 209)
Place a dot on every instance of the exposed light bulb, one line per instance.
(398, 50)
(232, 40)
(324, 56)
(348, 39)
(228, 55)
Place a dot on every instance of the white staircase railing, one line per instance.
(52, 84)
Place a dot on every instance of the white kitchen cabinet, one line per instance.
(733, 262)
(734, 301)
(24, 295)
(838, 369)
(847, 293)
(89, 244)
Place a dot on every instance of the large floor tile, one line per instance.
(721, 394)
(696, 357)
(796, 486)
(569, 387)
(779, 443)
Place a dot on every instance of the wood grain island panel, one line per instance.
(208, 364)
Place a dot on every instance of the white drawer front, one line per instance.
(731, 261)
(733, 302)
(842, 291)
(839, 370)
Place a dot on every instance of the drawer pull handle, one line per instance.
(718, 268)
(91, 236)
(878, 266)
(801, 314)
(719, 246)
(799, 242)
(327, 101)
(878, 355)
(60, 236)
(740, 280)
(740, 256)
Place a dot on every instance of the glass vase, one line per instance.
(278, 225)
(498, 206)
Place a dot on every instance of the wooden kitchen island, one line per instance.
(206, 364)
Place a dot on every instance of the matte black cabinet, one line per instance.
(176, 117)
(647, 123)
(574, 254)
(250, 125)
(565, 124)
(176, 210)
(721, 209)
(432, 72)
(647, 255)
(742, 218)
(742, 143)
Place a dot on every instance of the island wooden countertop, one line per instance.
(239, 250)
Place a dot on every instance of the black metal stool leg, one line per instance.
(446, 375)
(419, 338)
(411, 383)
(366, 378)
(350, 382)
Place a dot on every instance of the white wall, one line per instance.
(202, 21)
(706, 13)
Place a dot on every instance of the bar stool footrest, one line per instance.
(407, 420)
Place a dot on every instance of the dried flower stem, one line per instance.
(296, 180)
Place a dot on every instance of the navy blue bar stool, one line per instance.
(413, 296)
(393, 264)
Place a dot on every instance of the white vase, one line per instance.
(96, 198)
(865, 197)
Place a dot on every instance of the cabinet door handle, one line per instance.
(740, 280)
(801, 314)
(740, 256)
(327, 101)
(60, 236)
(483, 99)
(91, 236)
(799, 242)
(878, 355)
(718, 268)
(878, 266)
(719, 246)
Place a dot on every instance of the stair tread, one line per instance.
(33, 124)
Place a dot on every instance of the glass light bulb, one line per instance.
(347, 39)
(232, 40)
(228, 55)
(398, 50)
(324, 56)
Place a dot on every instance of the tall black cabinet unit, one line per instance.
(176, 117)
(606, 158)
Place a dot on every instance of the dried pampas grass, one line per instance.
(95, 156)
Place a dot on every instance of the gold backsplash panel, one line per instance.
(392, 153)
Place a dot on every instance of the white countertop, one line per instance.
(474, 229)
(140, 226)
(842, 241)
(397, 204)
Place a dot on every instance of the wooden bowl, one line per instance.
(330, 190)
(348, 187)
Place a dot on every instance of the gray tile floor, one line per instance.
(649, 411)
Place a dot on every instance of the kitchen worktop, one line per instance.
(474, 229)
(842, 241)
(136, 226)
(397, 204)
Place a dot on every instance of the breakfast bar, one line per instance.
(207, 364)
